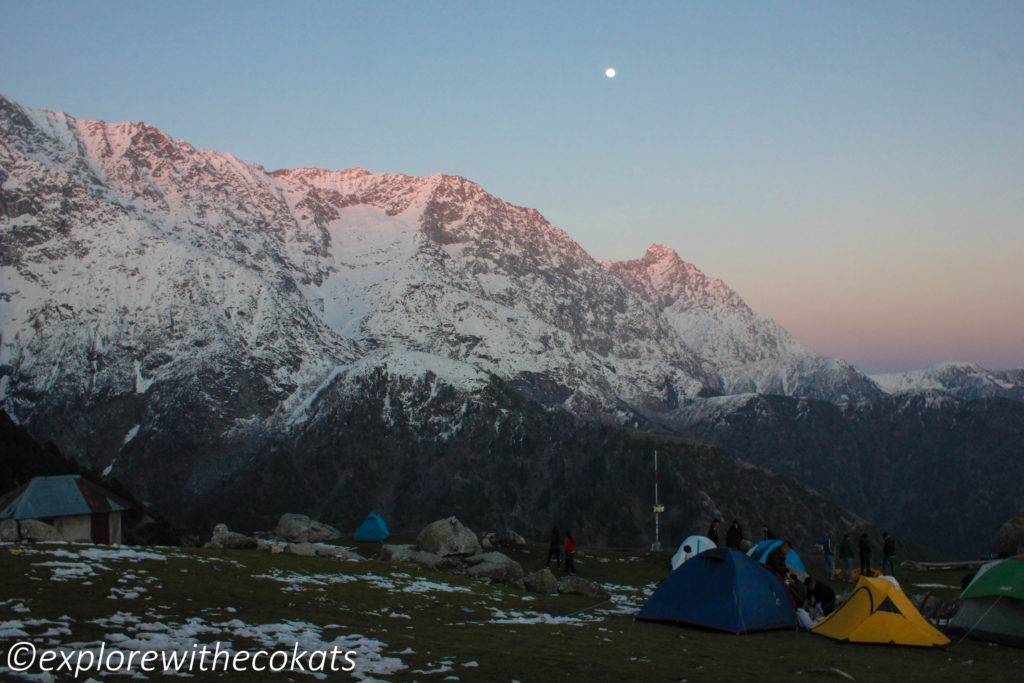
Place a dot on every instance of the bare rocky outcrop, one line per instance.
(307, 549)
(34, 530)
(297, 528)
(268, 546)
(448, 537)
(501, 539)
(1009, 540)
(230, 540)
(581, 586)
(409, 553)
(541, 581)
(8, 531)
(496, 567)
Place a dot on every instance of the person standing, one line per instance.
(776, 559)
(734, 535)
(846, 555)
(554, 547)
(830, 557)
(713, 532)
(767, 533)
(888, 553)
(864, 545)
(570, 554)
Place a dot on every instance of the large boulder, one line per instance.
(407, 553)
(448, 537)
(230, 540)
(496, 567)
(501, 539)
(272, 547)
(541, 581)
(304, 549)
(34, 530)
(8, 531)
(325, 550)
(297, 528)
(1009, 540)
(581, 586)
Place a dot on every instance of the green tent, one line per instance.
(992, 605)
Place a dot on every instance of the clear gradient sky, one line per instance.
(853, 169)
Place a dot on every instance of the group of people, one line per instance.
(864, 549)
(555, 547)
(814, 598)
(734, 534)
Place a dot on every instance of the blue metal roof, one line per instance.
(61, 496)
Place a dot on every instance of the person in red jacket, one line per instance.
(570, 553)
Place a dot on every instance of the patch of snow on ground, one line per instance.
(425, 586)
(530, 617)
(64, 571)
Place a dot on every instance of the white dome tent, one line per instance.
(691, 547)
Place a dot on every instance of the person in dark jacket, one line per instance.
(767, 533)
(864, 545)
(846, 555)
(570, 553)
(734, 535)
(888, 553)
(820, 593)
(554, 547)
(776, 559)
(713, 532)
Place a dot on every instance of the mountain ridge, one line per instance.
(752, 352)
(207, 331)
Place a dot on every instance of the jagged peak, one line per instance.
(666, 276)
(661, 252)
(956, 366)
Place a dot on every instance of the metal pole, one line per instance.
(657, 508)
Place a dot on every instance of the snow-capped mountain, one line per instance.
(963, 380)
(233, 343)
(135, 263)
(751, 352)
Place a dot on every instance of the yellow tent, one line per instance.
(878, 611)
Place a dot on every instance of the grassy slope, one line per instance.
(456, 627)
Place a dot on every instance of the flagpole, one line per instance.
(657, 508)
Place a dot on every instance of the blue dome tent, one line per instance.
(372, 529)
(725, 590)
(760, 553)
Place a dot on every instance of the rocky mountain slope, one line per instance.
(133, 261)
(751, 352)
(963, 380)
(233, 344)
(927, 466)
(172, 315)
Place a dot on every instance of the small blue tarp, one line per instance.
(372, 529)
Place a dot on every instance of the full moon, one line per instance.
(609, 72)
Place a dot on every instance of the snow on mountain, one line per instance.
(135, 264)
(752, 352)
(963, 380)
(229, 341)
